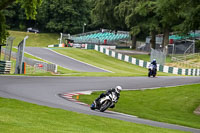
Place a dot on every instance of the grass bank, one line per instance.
(172, 105)
(21, 117)
(35, 40)
(147, 57)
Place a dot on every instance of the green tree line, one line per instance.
(151, 16)
(137, 16)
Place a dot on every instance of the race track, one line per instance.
(45, 90)
(62, 60)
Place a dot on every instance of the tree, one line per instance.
(190, 16)
(103, 13)
(167, 12)
(63, 15)
(131, 16)
(116, 14)
(30, 7)
(146, 9)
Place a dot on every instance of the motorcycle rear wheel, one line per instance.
(92, 107)
(105, 105)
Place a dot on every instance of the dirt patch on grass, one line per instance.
(197, 111)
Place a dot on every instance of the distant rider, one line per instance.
(117, 90)
(154, 64)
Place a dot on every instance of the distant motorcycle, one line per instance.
(152, 70)
(108, 101)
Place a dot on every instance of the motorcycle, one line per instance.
(152, 70)
(108, 101)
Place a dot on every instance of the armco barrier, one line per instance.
(5, 67)
(142, 63)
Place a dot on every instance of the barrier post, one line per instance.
(24, 67)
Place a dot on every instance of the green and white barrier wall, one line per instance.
(145, 64)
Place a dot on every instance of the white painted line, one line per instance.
(121, 114)
(85, 92)
(46, 60)
(78, 60)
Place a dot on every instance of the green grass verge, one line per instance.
(21, 117)
(118, 67)
(147, 58)
(35, 40)
(172, 105)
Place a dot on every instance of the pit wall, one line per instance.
(145, 64)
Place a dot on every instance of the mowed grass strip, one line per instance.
(147, 57)
(171, 105)
(118, 67)
(21, 117)
(35, 40)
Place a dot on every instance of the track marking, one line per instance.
(79, 61)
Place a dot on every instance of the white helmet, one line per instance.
(118, 89)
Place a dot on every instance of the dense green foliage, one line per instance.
(68, 16)
(29, 7)
(154, 16)
(172, 105)
(3, 32)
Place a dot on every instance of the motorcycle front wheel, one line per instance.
(149, 74)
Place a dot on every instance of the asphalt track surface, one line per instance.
(62, 60)
(46, 90)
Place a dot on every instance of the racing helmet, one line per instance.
(154, 60)
(118, 89)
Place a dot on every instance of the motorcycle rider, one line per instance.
(154, 64)
(117, 90)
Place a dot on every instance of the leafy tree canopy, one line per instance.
(30, 7)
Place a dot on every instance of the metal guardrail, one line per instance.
(33, 62)
(182, 60)
(5, 67)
